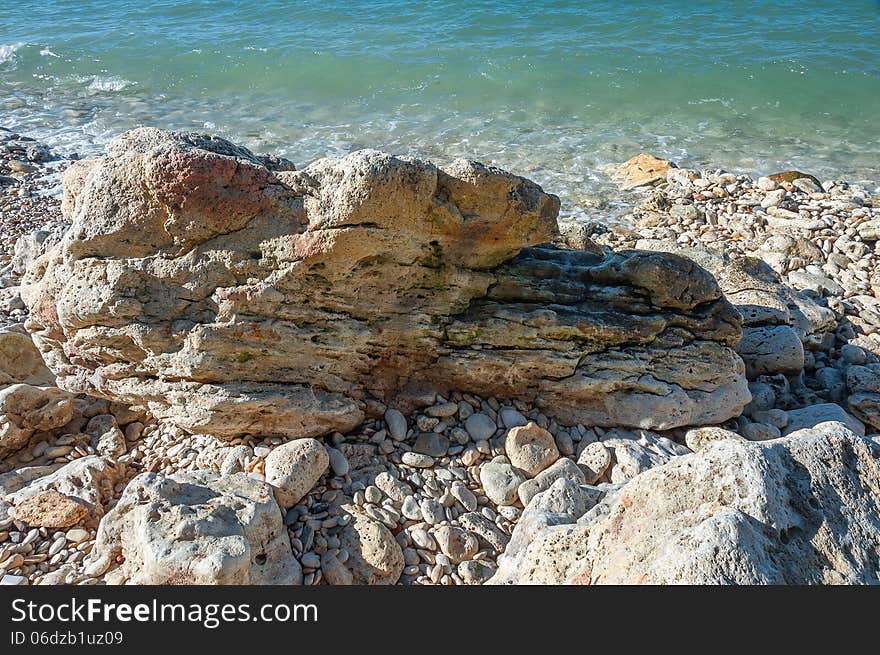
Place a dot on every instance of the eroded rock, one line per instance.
(197, 528)
(229, 298)
(798, 510)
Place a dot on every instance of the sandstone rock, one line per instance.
(20, 361)
(642, 170)
(88, 480)
(375, 557)
(228, 298)
(198, 528)
(294, 467)
(530, 448)
(50, 509)
(808, 417)
(25, 409)
(698, 438)
(797, 510)
(500, 481)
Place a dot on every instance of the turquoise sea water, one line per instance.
(549, 89)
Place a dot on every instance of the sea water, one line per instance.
(548, 89)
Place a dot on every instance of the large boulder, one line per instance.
(800, 510)
(197, 528)
(229, 298)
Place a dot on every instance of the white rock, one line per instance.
(561, 468)
(797, 510)
(198, 528)
(500, 481)
(594, 460)
(530, 449)
(294, 467)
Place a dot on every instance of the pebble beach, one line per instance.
(450, 481)
(447, 294)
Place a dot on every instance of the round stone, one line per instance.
(479, 426)
(530, 449)
(500, 481)
(396, 423)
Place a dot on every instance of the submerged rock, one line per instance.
(642, 170)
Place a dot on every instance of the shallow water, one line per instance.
(551, 90)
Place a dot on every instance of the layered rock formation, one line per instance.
(230, 298)
(778, 324)
(799, 510)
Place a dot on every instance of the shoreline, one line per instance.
(814, 280)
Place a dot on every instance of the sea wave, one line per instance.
(109, 83)
(7, 51)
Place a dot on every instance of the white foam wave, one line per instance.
(7, 51)
(111, 83)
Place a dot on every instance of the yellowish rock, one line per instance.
(50, 509)
(642, 170)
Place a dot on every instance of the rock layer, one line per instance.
(229, 298)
